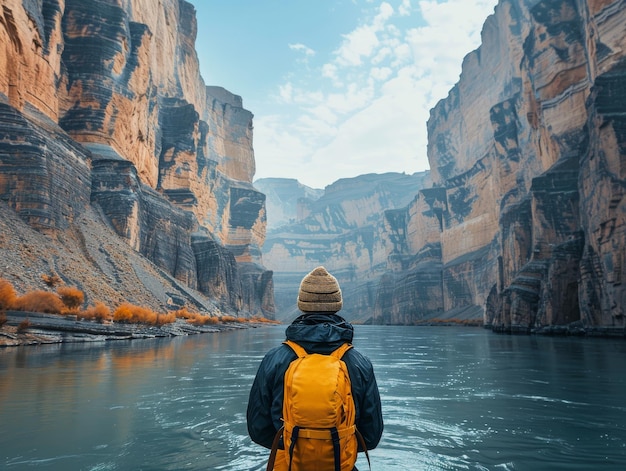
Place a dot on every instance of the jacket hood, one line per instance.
(320, 332)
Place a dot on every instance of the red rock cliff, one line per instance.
(102, 106)
(529, 153)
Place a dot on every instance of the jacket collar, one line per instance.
(320, 332)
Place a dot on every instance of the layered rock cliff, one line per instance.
(286, 200)
(527, 215)
(524, 225)
(351, 230)
(103, 110)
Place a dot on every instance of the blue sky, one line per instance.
(338, 88)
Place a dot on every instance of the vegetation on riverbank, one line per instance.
(69, 301)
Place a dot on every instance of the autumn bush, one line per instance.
(233, 319)
(131, 314)
(24, 325)
(39, 301)
(51, 279)
(183, 313)
(98, 312)
(7, 294)
(263, 320)
(72, 297)
(194, 318)
(201, 319)
(162, 319)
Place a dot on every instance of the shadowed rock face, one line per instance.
(44, 175)
(529, 150)
(102, 104)
(351, 229)
(524, 227)
(286, 199)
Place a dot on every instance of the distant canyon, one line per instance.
(125, 175)
(520, 223)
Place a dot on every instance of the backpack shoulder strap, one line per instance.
(340, 352)
(301, 352)
(272, 459)
(364, 446)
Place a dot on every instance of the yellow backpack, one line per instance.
(319, 432)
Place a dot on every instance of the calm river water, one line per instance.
(453, 399)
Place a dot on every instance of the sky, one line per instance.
(338, 88)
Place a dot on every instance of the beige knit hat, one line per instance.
(319, 292)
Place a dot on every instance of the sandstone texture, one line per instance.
(523, 226)
(287, 200)
(104, 118)
(350, 229)
(528, 161)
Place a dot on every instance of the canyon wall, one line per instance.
(285, 200)
(350, 229)
(523, 227)
(528, 159)
(102, 108)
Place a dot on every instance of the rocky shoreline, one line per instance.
(50, 329)
(574, 329)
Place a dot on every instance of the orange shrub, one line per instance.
(39, 301)
(199, 319)
(98, 312)
(24, 325)
(51, 280)
(228, 319)
(7, 294)
(123, 313)
(168, 318)
(264, 320)
(129, 313)
(195, 318)
(71, 297)
(183, 313)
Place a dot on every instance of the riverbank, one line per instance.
(50, 328)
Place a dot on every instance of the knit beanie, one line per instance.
(319, 292)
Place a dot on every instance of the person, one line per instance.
(319, 329)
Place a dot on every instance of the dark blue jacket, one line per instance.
(316, 333)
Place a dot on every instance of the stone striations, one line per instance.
(102, 105)
(524, 227)
(287, 198)
(528, 161)
(351, 229)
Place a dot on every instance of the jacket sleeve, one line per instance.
(266, 396)
(367, 398)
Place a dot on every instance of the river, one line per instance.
(454, 398)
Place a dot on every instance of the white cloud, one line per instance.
(382, 54)
(385, 12)
(330, 71)
(405, 8)
(285, 92)
(372, 99)
(307, 51)
(358, 44)
(381, 73)
(363, 41)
